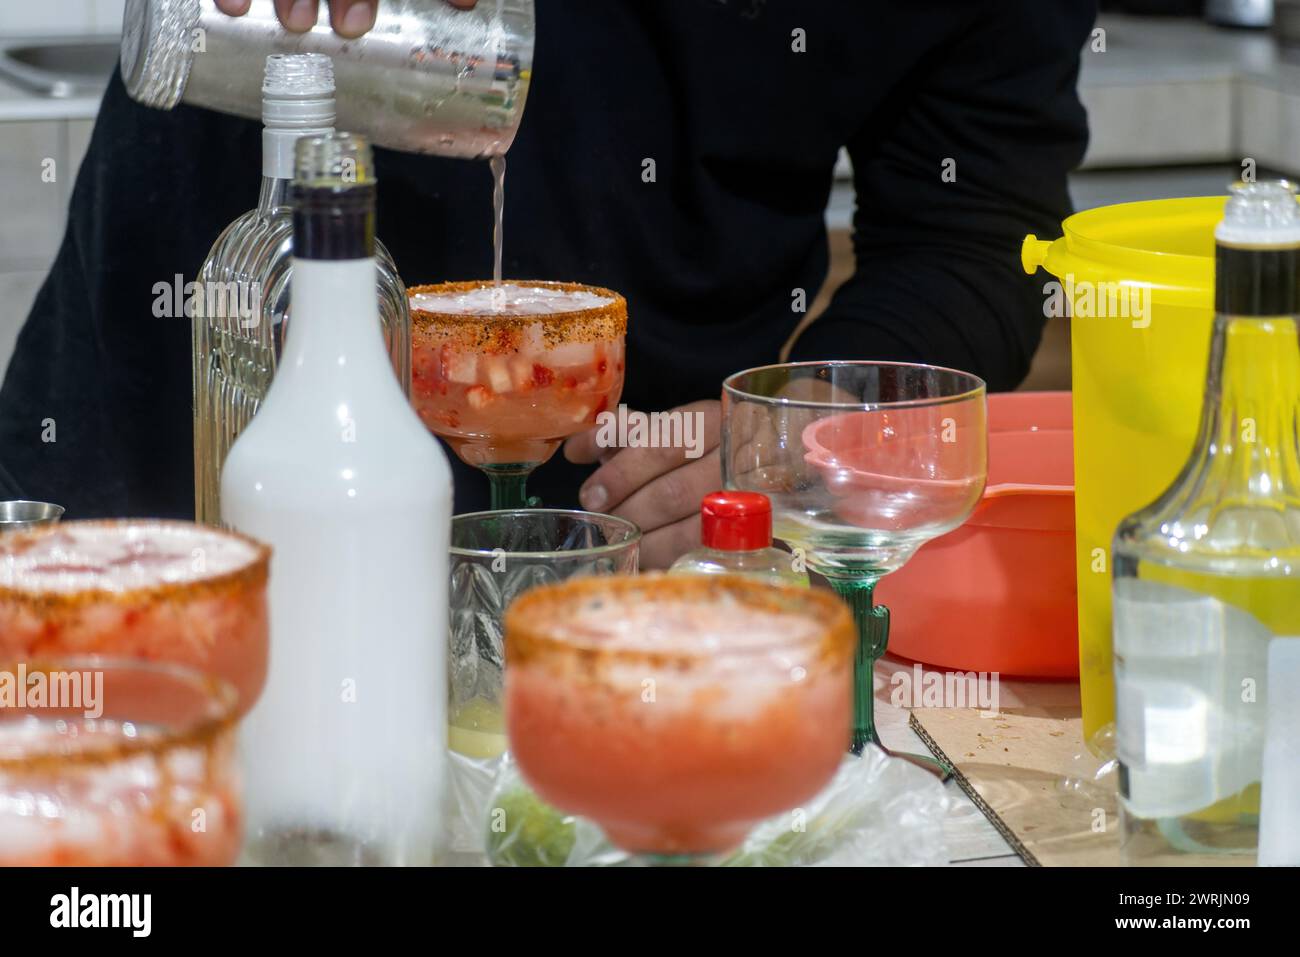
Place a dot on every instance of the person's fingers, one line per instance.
(583, 449)
(630, 468)
(351, 18)
(623, 473)
(662, 547)
(234, 8)
(672, 496)
(298, 16)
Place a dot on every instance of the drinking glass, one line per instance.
(117, 763)
(505, 385)
(864, 462)
(677, 711)
(148, 589)
(495, 558)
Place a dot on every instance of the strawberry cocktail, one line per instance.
(141, 771)
(677, 711)
(140, 589)
(505, 373)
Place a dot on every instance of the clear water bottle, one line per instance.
(1207, 581)
(241, 305)
(736, 537)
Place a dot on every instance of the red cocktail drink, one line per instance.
(142, 771)
(506, 373)
(677, 711)
(146, 590)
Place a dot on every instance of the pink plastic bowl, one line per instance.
(999, 594)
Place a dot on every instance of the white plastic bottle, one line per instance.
(344, 752)
(736, 532)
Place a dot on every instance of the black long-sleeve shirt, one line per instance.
(960, 116)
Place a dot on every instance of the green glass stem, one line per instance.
(506, 486)
(872, 621)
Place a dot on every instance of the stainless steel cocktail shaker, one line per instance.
(428, 78)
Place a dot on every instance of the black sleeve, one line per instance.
(95, 409)
(938, 276)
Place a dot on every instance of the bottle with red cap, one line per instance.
(736, 530)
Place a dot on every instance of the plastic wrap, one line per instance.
(876, 811)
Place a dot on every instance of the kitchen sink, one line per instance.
(60, 68)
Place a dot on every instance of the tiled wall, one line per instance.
(21, 18)
(32, 211)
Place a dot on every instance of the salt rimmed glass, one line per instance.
(117, 763)
(505, 388)
(677, 711)
(211, 617)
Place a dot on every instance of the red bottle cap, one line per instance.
(736, 521)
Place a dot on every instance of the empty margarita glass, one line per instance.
(864, 462)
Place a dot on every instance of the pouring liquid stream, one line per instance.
(498, 167)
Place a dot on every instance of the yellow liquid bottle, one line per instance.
(1207, 578)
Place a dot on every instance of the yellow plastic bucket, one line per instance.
(1139, 280)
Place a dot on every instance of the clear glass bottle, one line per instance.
(241, 304)
(736, 538)
(1207, 578)
(344, 753)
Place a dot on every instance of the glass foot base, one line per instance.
(864, 736)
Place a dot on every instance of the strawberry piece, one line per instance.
(542, 376)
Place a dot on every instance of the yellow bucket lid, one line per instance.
(1166, 245)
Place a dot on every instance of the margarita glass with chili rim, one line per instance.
(141, 589)
(506, 373)
(677, 711)
(863, 462)
(111, 763)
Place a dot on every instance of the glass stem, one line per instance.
(506, 488)
(873, 636)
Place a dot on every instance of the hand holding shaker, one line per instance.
(428, 78)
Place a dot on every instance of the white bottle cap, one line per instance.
(1261, 214)
(297, 100)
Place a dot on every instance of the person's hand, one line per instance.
(659, 489)
(349, 18)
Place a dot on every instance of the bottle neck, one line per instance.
(334, 221)
(285, 121)
(334, 309)
(273, 194)
(1252, 406)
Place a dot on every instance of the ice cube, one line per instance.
(461, 367)
(498, 373)
(571, 354)
(521, 372)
